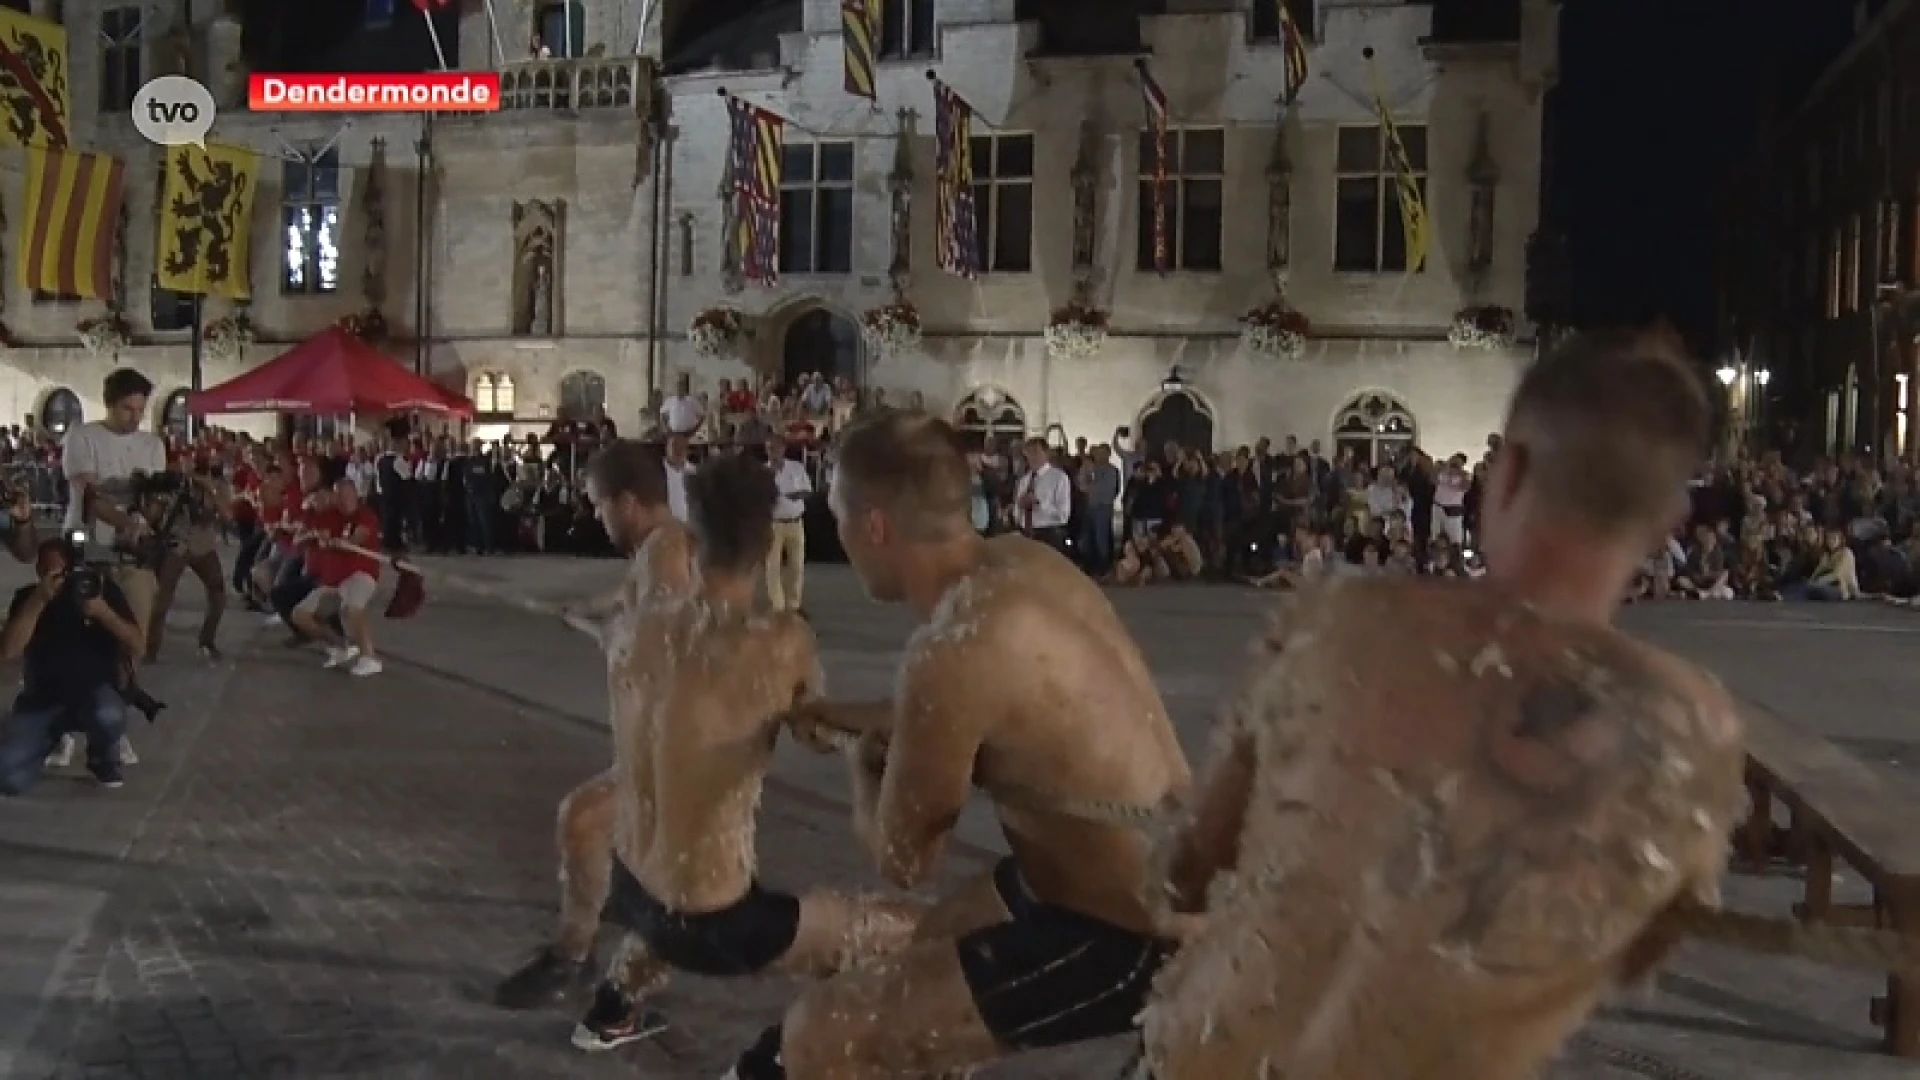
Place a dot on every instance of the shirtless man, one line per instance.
(628, 486)
(1437, 873)
(1022, 681)
(714, 684)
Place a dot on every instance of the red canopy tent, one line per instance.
(332, 373)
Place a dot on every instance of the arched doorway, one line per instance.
(173, 415)
(61, 412)
(1179, 419)
(987, 413)
(820, 342)
(583, 397)
(1377, 427)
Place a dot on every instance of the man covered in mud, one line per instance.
(713, 683)
(1438, 874)
(627, 483)
(1021, 681)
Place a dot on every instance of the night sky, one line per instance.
(1658, 99)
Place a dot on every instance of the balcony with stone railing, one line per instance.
(578, 84)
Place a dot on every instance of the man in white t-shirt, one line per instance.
(787, 559)
(681, 414)
(100, 459)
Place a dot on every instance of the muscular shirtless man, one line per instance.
(1022, 681)
(714, 683)
(628, 486)
(1436, 872)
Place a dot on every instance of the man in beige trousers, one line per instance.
(787, 561)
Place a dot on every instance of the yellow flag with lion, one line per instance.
(33, 82)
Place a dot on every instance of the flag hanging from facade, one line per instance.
(754, 160)
(1294, 44)
(73, 214)
(33, 81)
(1156, 103)
(860, 45)
(955, 225)
(206, 221)
(1413, 201)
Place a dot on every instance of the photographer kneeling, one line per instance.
(76, 630)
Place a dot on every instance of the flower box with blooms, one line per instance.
(369, 326)
(891, 330)
(716, 332)
(228, 335)
(1274, 329)
(1485, 327)
(104, 335)
(1076, 331)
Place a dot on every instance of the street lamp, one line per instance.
(1175, 382)
(1763, 376)
(1726, 375)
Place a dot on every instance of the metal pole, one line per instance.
(566, 22)
(653, 250)
(664, 253)
(196, 373)
(421, 309)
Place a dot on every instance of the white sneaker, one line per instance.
(338, 657)
(127, 756)
(274, 620)
(367, 665)
(62, 755)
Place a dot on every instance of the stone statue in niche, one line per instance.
(1085, 179)
(733, 279)
(900, 190)
(536, 248)
(1483, 176)
(373, 276)
(1280, 205)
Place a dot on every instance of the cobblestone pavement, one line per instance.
(315, 876)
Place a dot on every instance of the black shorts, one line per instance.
(1053, 977)
(742, 939)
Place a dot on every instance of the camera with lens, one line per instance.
(83, 583)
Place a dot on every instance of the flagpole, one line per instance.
(197, 348)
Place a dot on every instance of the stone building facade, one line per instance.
(548, 287)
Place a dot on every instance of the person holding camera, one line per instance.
(74, 628)
(100, 459)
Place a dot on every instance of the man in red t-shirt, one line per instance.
(347, 581)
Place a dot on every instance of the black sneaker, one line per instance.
(616, 1020)
(108, 774)
(547, 979)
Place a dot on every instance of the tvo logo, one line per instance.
(174, 110)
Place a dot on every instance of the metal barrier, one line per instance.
(45, 486)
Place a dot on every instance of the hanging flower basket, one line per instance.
(1484, 327)
(716, 332)
(228, 336)
(1076, 331)
(104, 335)
(891, 330)
(1274, 329)
(369, 326)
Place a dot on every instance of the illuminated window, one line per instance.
(310, 216)
(1378, 428)
(493, 396)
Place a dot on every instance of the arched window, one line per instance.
(61, 412)
(583, 395)
(493, 396)
(989, 413)
(1377, 427)
(173, 415)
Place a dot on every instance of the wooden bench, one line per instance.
(1838, 807)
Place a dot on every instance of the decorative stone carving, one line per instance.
(900, 189)
(733, 279)
(226, 61)
(1085, 179)
(1483, 174)
(373, 276)
(1280, 206)
(536, 262)
(685, 221)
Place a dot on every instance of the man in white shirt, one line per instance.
(678, 469)
(681, 414)
(1044, 497)
(99, 459)
(787, 560)
(1450, 500)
